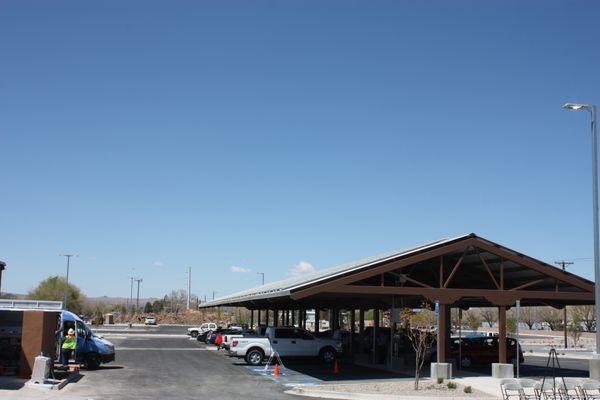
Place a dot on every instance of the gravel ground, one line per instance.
(427, 388)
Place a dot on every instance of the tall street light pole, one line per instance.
(592, 110)
(263, 276)
(68, 256)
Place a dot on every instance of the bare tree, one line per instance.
(488, 315)
(419, 331)
(176, 301)
(528, 316)
(575, 329)
(587, 316)
(552, 317)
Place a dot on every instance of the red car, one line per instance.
(483, 350)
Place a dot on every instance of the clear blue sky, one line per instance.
(259, 134)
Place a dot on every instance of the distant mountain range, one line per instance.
(118, 300)
(92, 300)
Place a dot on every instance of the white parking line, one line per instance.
(144, 335)
(166, 348)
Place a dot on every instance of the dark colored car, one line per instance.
(202, 336)
(483, 350)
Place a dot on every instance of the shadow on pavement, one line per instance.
(527, 371)
(347, 371)
(108, 367)
(11, 383)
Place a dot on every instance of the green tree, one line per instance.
(148, 308)
(511, 325)
(473, 321)
(158, 306)
(53, 288)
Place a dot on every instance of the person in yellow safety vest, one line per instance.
(68, 347)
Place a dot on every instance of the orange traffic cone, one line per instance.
(276, 371)
(336, 368)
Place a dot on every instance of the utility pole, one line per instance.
(137, 300)
(67, 280)
(214, 294)
(263, 276)
(130, 303)
(189, 288)
(564, 264)
(2, 268)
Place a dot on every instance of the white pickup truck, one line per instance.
(196, 330)
(288, 341)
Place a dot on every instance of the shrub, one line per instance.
(468, 389)
(440, 381)
(451, 385)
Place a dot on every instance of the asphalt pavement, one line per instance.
(163, 363)
(170, 368)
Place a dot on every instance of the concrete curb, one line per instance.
(327, 394)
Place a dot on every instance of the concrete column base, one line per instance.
(595, 368)
(441, 370)
(503, 370)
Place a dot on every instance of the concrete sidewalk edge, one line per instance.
(326, 394)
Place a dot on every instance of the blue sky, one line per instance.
(262, 134)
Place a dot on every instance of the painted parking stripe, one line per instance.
(167, 348)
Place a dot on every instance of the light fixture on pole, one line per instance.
(67, 278)
(592, 110)
(263, 276)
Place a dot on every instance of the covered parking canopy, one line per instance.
(465, 271)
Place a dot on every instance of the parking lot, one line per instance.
(161, 362)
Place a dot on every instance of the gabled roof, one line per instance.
(478, 283)
(285, 286)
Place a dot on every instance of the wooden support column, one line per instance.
(294, 317)
(275, 317)
(258, 317)
(502, 334)
(375, 329)
(443, 333)
(332, 319)
(352, 329)
(361, 329)
(251, 319)
(286, 318)
(317, 319)
(304, 318)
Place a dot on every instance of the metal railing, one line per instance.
(22, 305)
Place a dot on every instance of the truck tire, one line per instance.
(194, 334)
(254, 356)
(92, 361)
(328, 355)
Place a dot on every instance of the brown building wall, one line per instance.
(39, 329)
